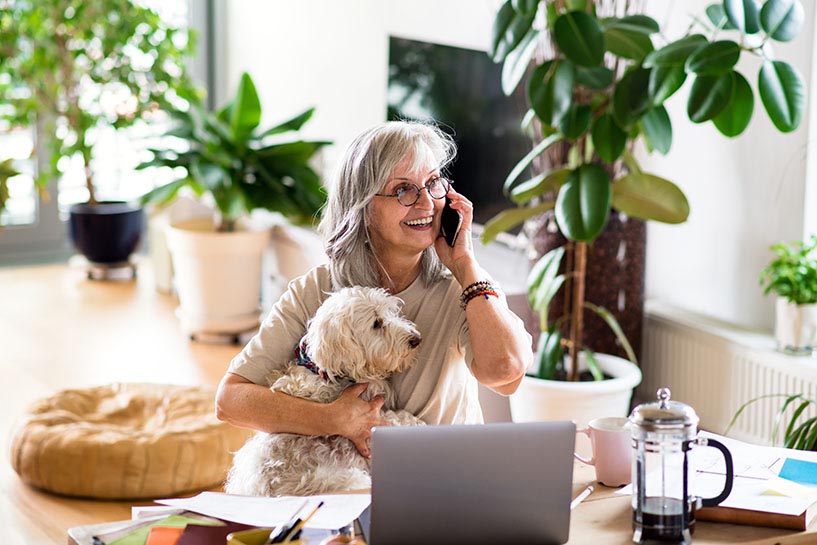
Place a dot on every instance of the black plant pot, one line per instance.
(106, 232)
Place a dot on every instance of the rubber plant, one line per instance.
(74, 65)
(226, 155)
(600, 88)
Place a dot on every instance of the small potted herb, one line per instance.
(792, 276)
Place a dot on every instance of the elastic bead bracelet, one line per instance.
(480, 288)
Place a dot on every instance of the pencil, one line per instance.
(297, 528)
(581, 497)
(277, 534)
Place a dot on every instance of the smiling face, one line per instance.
(406, 229)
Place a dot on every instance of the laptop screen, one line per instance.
(497, 483)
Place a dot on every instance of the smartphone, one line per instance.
(450, 223)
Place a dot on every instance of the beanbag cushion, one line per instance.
(125, 441)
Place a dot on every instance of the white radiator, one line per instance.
(715, 367)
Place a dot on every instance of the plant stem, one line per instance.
(577, 309)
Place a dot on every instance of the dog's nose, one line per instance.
(414, 342)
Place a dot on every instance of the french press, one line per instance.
(663, 433)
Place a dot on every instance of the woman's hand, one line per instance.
(356, 417)
(460, 258)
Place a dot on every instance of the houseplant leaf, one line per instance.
(734, 119)
(245, 110)
(608, 138)
(783, 94)
(708, 97)
(643, 24)
(550, 90)
(525, 162)
(545, 270)
(509, 28)
(596, 77)
(525, 7)
(664, 81)
(613, 324)
(293, 124)
(743, 15)
(675, 53)
(717, 16)
(782, 20)
(714, 59)
(631, 97)
(549, 353)
(627, 44)
(517, 61)
(657, 129)
(650, 197)
(508, 219)
(537, 186)
(593, 365)
(583, 203)
(576, 121)
(580, 37)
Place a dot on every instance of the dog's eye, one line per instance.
(378, 323)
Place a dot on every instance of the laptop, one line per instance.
(490, 483)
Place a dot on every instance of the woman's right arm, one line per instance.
(248, 405)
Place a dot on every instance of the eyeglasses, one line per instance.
(408, 194)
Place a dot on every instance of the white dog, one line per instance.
(357, 335)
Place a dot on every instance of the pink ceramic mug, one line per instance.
(612, 450)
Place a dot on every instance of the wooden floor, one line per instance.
(59, 330)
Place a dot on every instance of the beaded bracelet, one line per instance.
(478, 289)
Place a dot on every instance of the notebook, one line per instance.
(491, 483)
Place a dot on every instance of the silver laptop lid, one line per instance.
(492, 483)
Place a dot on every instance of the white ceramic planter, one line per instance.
(218, 276)
(542, 400)
(795, 327)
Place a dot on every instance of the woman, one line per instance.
(381, 227)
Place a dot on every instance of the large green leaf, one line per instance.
(549, 353)
(782, 20)
(642, 24)
(627, 43)
(734, 119)
(509, 28)
(580, 37)
(608, 138)
(550, 90)
(708, 97)
(583, 203)
(783, 94)
(657, 129)
(517, 61)
(714, 59)
(544, 272)
(576, 121)
(525, 6)
(525, 162)
(597, 77)
(245, 111)
(717, 16)
(292, 124)
(508, 219)
(593, 364)
(664, 81)
(650, 197)
(743, 15)
(675, 53)
(547, 182)
(631, 97)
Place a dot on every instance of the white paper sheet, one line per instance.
(338, 510)
(755, 468)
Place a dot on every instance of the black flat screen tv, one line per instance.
(460, 89)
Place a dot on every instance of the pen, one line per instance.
(96, 541)
(300, 524)
(581, 497)
(277, 535)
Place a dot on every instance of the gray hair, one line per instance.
(362, 172)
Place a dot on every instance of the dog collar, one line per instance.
(303, 360)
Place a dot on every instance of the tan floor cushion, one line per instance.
(125, 441)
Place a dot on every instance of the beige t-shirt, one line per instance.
(438, 388)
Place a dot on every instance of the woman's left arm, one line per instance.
(500, 345)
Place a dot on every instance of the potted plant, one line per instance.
(72, 67)
(792, 276)
(598, 90)
(240, 167)
(795, 416)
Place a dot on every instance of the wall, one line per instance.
(745, 193)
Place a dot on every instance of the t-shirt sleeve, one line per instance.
(271, 349)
